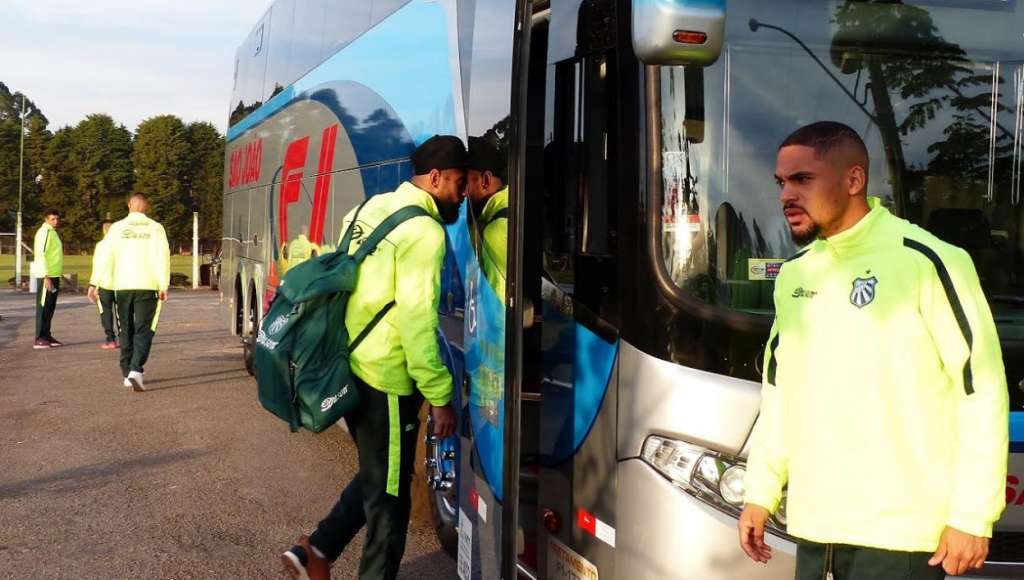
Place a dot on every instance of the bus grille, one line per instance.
(1006, 547)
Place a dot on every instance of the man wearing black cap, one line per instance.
(488, 197)
(397, 365)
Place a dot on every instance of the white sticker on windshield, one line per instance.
(763, 268)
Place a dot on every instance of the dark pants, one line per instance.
(385, 429)
(814, 561)
(137, 313)
(107, 315)
(46, 304)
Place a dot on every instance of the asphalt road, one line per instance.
(191, 479)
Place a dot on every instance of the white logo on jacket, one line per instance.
(863, 291)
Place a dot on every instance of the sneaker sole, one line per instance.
(138, 388)
(38, 347)
(293, 567)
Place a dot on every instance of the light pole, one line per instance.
(21, 171)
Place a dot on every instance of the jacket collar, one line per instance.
(863, 232)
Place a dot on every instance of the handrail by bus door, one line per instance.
(514, 290)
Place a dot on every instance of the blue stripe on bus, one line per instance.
(259, 115)
(1017, 427)
(595, 359)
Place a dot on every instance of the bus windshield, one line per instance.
(933, 86)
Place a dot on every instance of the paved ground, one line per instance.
(189, 480)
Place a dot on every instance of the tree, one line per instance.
(58, 171)
(206, 170)
(102, 176)
(905, 55)
(10, 154)
(162, 161)
(37, 140)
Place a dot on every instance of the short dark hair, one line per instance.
(824, 136)
(51, 211)
(137, 195)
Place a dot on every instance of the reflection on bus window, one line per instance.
(301, 249)
(935, 91)
(487, 192)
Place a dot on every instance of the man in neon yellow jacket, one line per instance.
(488, 198)
(884, 403)
(101, 292)
(301, 249)
(47, 266)
(138, 261)
(397, 366)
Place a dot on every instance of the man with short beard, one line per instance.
(396, 366)
(884, 401)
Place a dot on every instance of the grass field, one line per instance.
(82, 265)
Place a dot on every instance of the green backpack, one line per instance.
(302, 349)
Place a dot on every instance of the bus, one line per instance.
(608, 368)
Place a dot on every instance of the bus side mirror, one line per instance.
(678, 32)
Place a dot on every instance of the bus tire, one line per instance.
(249, 340)
(426, 506)
(447, 534)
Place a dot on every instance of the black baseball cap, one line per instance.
(484, 156)
(439, 152)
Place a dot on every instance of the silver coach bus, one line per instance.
(607, 388)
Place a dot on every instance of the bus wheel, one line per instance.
(442, 489)
(249, 340)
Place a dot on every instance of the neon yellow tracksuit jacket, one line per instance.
(47, 253)
(884, 402)
(402, 350)
(495, 241)
(101, 277)
(136, 255)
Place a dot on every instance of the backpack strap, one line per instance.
(346, 240)
(367, 247)
(369, 326)
(385, 227)
(500, 214)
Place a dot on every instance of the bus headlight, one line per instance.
(674, 459)
(707, 475)
(731, 485)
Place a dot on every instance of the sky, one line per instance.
(130, 59)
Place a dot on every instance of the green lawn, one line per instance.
(82, 265)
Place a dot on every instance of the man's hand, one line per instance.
(444, 420)
(48, 283)
(751, 527)
(92, 294)
(959, 552)
(162, 294)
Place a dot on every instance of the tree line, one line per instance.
(88, 170)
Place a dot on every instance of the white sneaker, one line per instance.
(127, 383)
(135, 379)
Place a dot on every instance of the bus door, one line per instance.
(488, 39)
(573, 199)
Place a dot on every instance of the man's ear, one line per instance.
(435, 178)
(856, 179)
